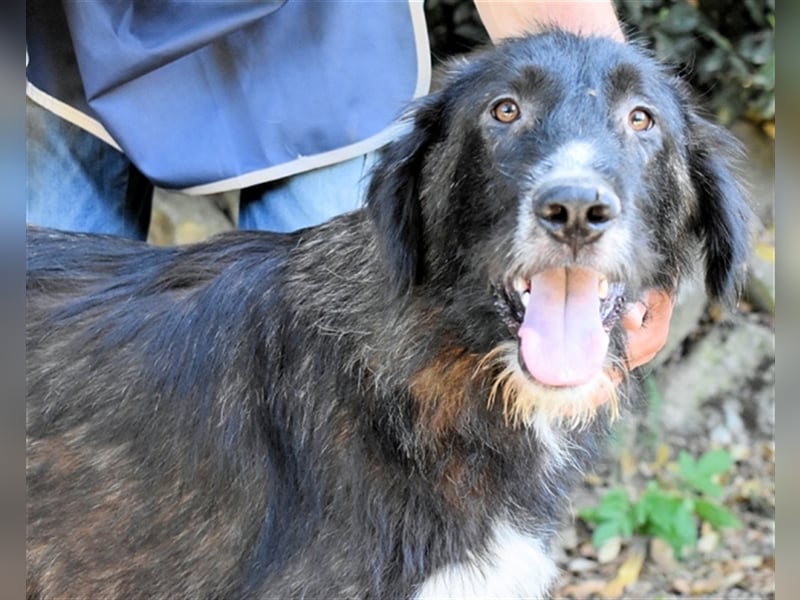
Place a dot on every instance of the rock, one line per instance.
(689, 308)
(581, 565)
(610, 550)
(708, 542)
(760, 289)
(663, 555)
(181, 219)
(750, 561)
(732, 579)
(568, 537)
(729, 362)
(759, 169)
(682, 586)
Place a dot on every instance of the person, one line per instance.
(284, 101)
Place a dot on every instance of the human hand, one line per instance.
(647, 326)
(509, 19)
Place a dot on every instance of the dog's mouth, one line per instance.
(562, 318)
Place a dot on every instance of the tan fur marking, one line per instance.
(441, 389)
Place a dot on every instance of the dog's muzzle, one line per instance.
(576, 214)
(564, 308)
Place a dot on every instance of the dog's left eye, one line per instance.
(640, 120)
(506, 111)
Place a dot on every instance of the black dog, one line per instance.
(393, 404)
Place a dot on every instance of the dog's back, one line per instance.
(135, 356)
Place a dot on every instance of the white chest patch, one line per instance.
(515, 566)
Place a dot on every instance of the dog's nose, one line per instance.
(577, 214)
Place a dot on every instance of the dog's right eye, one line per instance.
(506, 111)
(640, 120)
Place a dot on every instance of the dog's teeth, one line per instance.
(525, 297)
(602, 288)
(520, 285)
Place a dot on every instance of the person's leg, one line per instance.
(306, 199)
(77, 182)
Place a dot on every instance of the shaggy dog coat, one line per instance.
(394, 404)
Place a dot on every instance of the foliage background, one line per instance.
(724, 47)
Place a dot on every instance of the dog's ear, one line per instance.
(393, 197)
(723, 215)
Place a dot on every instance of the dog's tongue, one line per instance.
(563, 342)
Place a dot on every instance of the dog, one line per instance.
(393, 404)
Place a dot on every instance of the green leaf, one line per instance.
(659, 508)
(711, 62)
(680, 18)
(613, 517)
(757, 47)
(715, 514)
(640, 510)
(684, 527)
(714, 462)
(686, 464)
(756, 11)
(605, 532)
(700, 475)
(669, 517)
(614, 504)
(677, 527)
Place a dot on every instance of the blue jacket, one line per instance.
(210, 96)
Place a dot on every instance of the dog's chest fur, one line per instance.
(514, 565)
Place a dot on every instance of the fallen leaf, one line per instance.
(583, 589)
(768, 451)
(662, 456)
(716, 312)
(765, 251)
(707, 586)
(628, 464)
(750, 488)
(627, 574)
(593, 479)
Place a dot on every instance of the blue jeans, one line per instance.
(77, 182)
(308, 198)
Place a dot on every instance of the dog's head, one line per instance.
(547, 181)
